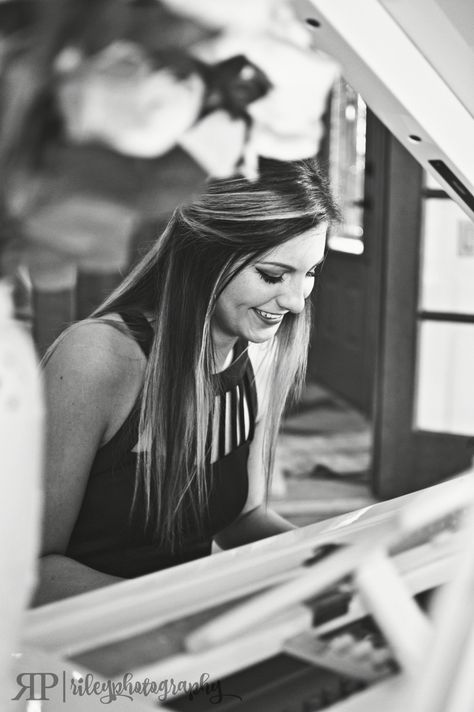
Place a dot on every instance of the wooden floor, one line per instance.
(323, 459)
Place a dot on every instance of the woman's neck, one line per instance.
(227, 361)
(223, 344)
(223, 359)
(223, 352)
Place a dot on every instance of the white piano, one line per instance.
(146, 626)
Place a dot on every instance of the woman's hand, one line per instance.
(258, 523)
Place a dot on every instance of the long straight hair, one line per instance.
(205, 245)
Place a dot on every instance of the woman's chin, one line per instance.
(260, 337)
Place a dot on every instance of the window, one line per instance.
(347, 127)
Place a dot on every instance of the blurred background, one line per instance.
(114, 111)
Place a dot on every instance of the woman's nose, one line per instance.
(293, 296)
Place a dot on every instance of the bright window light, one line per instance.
(351, 245)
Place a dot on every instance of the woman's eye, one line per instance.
(270, 278)
(311, 274)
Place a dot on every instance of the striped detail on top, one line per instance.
(233, 420)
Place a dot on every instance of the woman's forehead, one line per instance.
(308, 247)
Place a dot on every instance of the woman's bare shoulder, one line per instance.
(102, 351)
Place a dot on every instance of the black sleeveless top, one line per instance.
(107, 538)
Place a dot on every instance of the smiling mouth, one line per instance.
(268, 317)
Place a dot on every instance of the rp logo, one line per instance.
(37, 683)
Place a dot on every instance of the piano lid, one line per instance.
(413, 64)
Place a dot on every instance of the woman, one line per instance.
(162, 419)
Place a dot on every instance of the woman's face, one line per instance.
(253, 304)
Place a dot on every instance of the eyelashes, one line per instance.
(269, 278)
(272, 279)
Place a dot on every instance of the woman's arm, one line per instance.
(61, 577)
(259, 523)
(84, 389)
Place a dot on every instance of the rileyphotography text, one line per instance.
(43, 685)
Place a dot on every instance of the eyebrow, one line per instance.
(290, 268)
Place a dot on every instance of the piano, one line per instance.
(143, 627)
